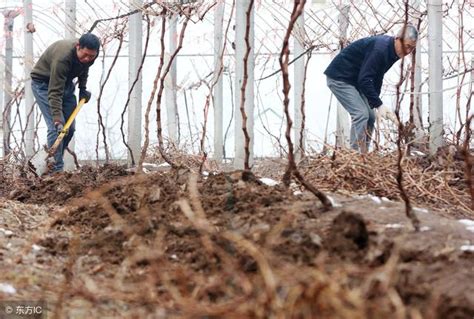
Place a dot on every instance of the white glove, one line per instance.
(384, 112)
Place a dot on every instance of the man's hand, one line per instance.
(84, 94)
(59, 126)
(384, 112)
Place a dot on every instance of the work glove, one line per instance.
(384, 112)
(59, 126)
(84, 94)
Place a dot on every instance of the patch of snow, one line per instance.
(297, 193)
(424, 228)
(385, 199)
(7, 288)
(376, 199)
(269, 181)
(36, 247)
(420, 210)
(418, 153)
(6, 232)
(333, 202)
(112, 229)
(394, 226)
(315, 239)
(151, 165)
(174, 257)
(467, 248)
(469, 223)
(205, 173)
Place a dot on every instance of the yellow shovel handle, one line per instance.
(73, 115)
(63, 132)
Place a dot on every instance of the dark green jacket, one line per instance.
(57, 66)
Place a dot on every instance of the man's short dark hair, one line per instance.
(89, 41)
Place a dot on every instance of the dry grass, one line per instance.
(436, 182)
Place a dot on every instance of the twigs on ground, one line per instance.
(376, 174)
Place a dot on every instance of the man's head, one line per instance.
(405, 41)
(87, 48)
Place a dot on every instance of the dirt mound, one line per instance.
(60, 187)
(204, 245)
(144, 205)
(228, 246)
(348, 237)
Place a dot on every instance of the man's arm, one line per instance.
(371, 68)
(82, 79)
(57, 82)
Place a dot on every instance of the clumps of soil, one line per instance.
(145, 205)
(108, 216)
(227, 245)
(348, 237)
(61, 187)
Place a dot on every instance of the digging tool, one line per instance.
(43, 160)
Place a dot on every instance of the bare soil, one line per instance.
(107, 243)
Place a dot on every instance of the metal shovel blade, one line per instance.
(40, 162)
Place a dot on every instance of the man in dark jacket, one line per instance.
(355, 77)
(53, 87)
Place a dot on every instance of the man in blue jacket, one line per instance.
(355, 77)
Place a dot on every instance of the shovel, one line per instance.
(43, 160)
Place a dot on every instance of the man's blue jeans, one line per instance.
(362, 115)
(40, 91)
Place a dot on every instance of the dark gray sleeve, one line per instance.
(57, 82)
(82, 79)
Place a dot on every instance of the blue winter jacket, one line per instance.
(363, 64)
